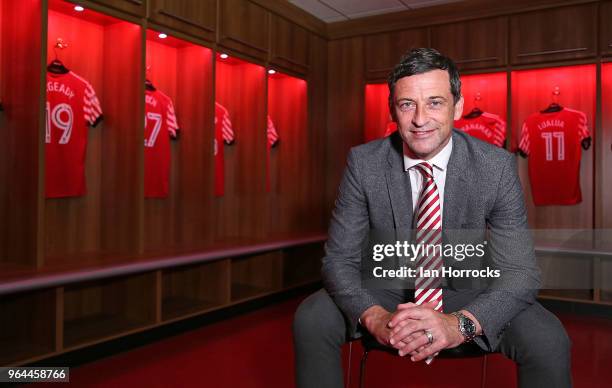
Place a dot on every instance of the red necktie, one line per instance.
(428, 232)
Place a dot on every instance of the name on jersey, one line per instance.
(477, 127)
(150, 100)
(59, 87)
(551, 123)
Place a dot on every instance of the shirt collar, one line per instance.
(440, 161)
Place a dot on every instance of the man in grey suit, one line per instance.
(478, 188)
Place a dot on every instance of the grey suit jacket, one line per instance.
(482, 190)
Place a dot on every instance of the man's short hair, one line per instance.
(422, 60)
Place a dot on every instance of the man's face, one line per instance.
(424, 110)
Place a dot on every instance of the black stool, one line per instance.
(466, 350)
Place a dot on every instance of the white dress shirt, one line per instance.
(439, 163)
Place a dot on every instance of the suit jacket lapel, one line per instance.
(456, 186)
(398, 184)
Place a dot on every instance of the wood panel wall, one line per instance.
(21, 125)
(345, 93)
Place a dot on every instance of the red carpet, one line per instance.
(255, 351)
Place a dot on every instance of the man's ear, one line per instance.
(459, 109)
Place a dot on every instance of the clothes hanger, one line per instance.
(554, 106)
(148, 84)
(476, 111)
(56, 66)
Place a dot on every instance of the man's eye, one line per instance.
(406, 105)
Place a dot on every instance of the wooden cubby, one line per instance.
(240, 211)
(103, 309)
(256, 275)
(302, 265)
(604, 154)
(184, 72)
(376, 115)
(291, 187)
(194, 289)
(567, 276)
(105, 51)
(491, 88)
(27, 325)
(532, 90)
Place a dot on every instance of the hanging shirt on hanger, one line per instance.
(160, 126)
(272, 141)
(224, 134)
(552, 142)
(71, 106)
(487, 127)
(271, 133)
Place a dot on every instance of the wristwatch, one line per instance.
(467, 328)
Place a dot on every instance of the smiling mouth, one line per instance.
(422, 133)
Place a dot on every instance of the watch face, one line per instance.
(469, 327)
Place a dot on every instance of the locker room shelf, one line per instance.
(177, 307)
(242, 292)
(187, 290)
(27, 326)
(255, 275)
(302, 266)
(96, 327)
(101, 309)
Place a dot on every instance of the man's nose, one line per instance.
(420, 116)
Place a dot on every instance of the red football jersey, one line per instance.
(486, 127)
(272, 136)
(224, 133)
(271, 133)
(160, 125)
(72, 105)
(552, 141)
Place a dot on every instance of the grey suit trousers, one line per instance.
(535, 339)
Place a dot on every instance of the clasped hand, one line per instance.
(405, 330)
